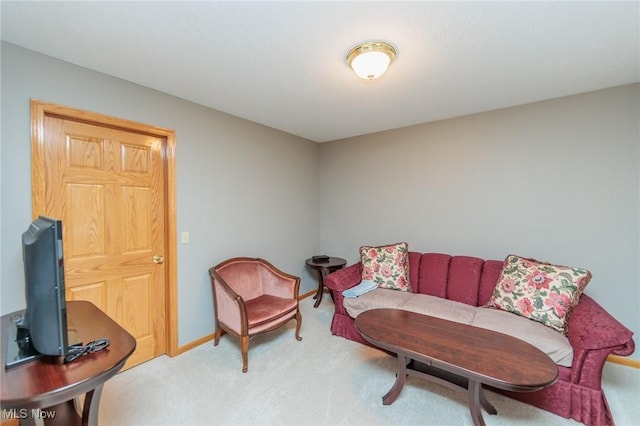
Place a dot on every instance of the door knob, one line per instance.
(158, 259)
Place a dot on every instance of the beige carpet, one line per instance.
(322, 380)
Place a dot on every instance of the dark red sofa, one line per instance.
(592, 332)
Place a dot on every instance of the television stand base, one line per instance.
(19, 351)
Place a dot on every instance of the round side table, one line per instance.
(324, 269)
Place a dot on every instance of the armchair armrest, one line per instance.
(229, 306)
(344, 278)
(276, 282)
(592, 327)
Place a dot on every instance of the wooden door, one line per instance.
(107, 184)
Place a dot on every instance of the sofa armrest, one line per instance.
(594, 334)
(344, 278)
(592, 327)
(339, 281)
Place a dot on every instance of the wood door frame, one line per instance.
(40, 110)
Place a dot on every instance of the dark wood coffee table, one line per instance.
(456, 355)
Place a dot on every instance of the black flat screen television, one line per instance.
(42, 329)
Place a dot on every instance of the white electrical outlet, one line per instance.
(185, 237)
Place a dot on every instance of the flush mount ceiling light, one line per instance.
(370, 60)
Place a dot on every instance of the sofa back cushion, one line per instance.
(433, 273)
(465, 279)
(490, 274)
(414, 270)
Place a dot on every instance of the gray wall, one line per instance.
(242, 188)
(555, 180)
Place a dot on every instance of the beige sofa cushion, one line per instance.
(546, 339)
(549, 341)
(440, 308)
(378, 298)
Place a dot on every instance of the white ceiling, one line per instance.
(282, 64)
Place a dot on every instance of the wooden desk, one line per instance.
(52, 386)
(324, 269)
(456, 355)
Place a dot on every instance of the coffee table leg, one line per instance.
(476, 398)
(486, 404)
(401, 378)
(473, 394)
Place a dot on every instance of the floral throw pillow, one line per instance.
(539, 291)
(387, 266)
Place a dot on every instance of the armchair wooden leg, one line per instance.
(298, 324)
(244, 345)
(216, 336)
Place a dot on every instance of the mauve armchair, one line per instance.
(251, 296)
